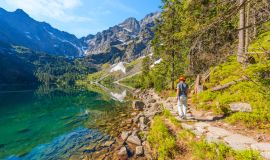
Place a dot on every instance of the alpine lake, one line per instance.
(38, 122)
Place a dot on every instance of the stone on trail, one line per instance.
(134, 140)
(212, 138)
(152, 101)
(171, 100)
(219, 131)
(239, 142)
(261, 146)
(240, 107)
(202, 124)
(265, 155)
(139, 151)
(138, 105)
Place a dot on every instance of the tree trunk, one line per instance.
(254, 24)
(247, 30)
(241, 35)
(173, 67)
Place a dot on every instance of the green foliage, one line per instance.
(134, 81)
(254, 91)
(261, 44)
(213, 151)
(95, 76)
(135, 63)
(46, 69)
(161, 140)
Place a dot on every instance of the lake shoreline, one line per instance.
(131, 143)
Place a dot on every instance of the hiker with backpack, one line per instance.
(182, 90)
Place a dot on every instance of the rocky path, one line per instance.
(205, 125)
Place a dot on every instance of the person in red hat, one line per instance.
(182, 90)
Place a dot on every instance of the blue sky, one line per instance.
(83, 17)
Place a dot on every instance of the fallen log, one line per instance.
(227, 85)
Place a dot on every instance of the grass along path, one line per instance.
(213, 134)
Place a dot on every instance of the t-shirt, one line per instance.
(183, 88)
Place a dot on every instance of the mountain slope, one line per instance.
(18, 28)
(124, 42)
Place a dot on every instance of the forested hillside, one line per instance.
(20, 65)
(224, 46)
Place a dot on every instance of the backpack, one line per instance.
(183, 88)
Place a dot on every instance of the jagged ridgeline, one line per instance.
(124, 42)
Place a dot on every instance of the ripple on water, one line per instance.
(63, 146)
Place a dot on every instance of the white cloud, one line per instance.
(54, 9)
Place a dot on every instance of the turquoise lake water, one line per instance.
(45, 123)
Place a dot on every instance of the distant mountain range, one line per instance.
(122, 42)
(125, 41)
(18, 28)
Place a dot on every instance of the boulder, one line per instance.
(152, 101)
(138, 105)
(125, 134)
(156, 105)
(123, 154)
(108, 143)
(142, 120)
(240, 107)
(136, 119)
(134, 140)
(139, 151)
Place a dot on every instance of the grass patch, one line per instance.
(160, 140)
(178, 143)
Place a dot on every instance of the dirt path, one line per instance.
(205, 124)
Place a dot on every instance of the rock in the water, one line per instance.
(123, 154)
(138, 105)
(240, 107)
(125, 134)
(108, 143)
(139, 151)
(134, 140)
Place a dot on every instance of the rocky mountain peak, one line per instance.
(123, 42)
(131, 24)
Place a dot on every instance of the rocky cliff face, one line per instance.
(124, 42)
